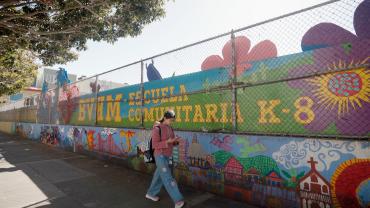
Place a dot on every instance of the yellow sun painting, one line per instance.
(338, 90)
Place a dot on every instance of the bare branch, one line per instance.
(24, 16)
(19, 5)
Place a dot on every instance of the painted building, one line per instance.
(233, 171)
(314, 189)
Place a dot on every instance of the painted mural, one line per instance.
(335, 103)
(261, 170)
(276, 94)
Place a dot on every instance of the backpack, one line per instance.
(149, 153)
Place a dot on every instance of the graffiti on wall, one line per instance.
(262, 170)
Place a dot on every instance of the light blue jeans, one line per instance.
(162, 176)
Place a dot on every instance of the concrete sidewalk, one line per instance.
(35, 175)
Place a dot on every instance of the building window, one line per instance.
(325, 189)
(314, 178)
(306, 186)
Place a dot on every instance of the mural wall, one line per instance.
(335, 103)
(323, 90)
(7, 127)
(261, 170)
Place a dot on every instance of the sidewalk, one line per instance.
(35, 175)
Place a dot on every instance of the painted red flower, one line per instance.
(244, 57)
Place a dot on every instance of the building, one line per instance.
(233, 171)
(196, 155)
(27, 97)
(180, 151)
(182, 173)
(49, 75)
(251, 177)
(314, 189)
(274, 179)
(87, 86)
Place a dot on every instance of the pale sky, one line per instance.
(188, 21)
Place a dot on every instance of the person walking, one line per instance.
(163, 140)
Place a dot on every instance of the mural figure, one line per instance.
(78, 134)
(44, 88)
(94, 89)
(50, 135)
(62, 77)
(152, 73)
(106, 142)
(224, 144)
(90, 140)
(66, 141)
(128, 135)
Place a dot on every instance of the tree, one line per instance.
(17, 70)
(53, 31)
(52, 28)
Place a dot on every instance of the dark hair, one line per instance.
(168, 115)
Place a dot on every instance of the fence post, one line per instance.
(234, 90)
(49, 107)
(56, 113)
(142, 93)
(96, 99)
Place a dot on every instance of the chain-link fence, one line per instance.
(304, 73)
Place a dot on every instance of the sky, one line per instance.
(188, 21)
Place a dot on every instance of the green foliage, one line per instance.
(261, 163)
(292, 177)
(54, 30)
(222, 156)
(300, 175)
(17, 70)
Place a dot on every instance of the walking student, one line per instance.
(163, 140)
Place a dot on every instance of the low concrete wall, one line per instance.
(262, 170)
(7, 127)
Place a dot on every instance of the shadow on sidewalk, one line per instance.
(36, 175)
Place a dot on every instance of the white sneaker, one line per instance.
(180, 204)
(153, 198)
